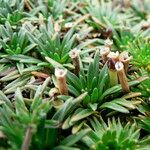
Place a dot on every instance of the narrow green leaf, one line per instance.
(74, 138)
(65, 148)
(74, 81)
(82, 114)
(115, 107)
(94, 96)
(4, 98)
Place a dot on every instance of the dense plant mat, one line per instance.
(74, 74)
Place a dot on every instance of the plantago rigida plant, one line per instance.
(50, 44)
(46, 8)
(115, 135)
(89, 80)
(144, 87)
(11, 11)
(125, 36)
(122, 38)
(140, 8)
(14, 42)
(35, 127)
(105, 15)
(56, 7)
(140, 49)
(96, 82)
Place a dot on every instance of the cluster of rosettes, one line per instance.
(117, 63)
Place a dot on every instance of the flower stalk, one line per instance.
(104, 52)
(113, 77)
(61, 80)
(74, 55)
(27, 5)
(112, 73)
(113, 58)
(27, 139)
(125, 59)
(108, 43)
(122, 77)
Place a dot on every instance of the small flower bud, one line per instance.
(112, 72)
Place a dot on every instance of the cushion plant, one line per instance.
(74, 74)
